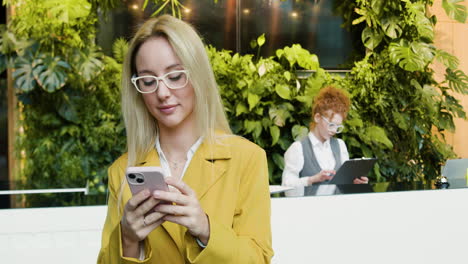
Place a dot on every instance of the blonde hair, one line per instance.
(141, 126)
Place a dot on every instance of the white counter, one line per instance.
(400, 227)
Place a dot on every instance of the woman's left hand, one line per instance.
(185, 210)
(361, 180)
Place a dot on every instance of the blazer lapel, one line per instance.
(151, 160)
(208, 165)
(205, 169)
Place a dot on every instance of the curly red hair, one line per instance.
(330, 98)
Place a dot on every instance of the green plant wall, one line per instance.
(394, 87)
(69, 98)
(69, 93)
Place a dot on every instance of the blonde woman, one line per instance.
(219, 208)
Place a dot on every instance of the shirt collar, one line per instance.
(190, 152)
(316, 142)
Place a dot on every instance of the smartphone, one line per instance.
(151, 178)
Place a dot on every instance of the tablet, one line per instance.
(352, 169)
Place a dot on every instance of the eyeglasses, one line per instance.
(333, 127)
(149, 83)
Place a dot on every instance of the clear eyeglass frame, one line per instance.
(163, 78)
(333, 127)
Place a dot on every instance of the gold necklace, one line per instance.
(177, 164)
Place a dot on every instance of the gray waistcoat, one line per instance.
(311, 166)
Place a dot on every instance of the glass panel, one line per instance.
(216, 23)
(310, 24)
(232, 25)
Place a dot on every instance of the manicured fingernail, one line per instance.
(156, 193)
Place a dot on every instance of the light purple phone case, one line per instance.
(151, 178)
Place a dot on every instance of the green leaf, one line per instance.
(457, 80)
(261, 40)
(299, 132)
(371, 38)
(279, 114)
(454, 10)
(253, 44)
(304, 99)
(68, 110)
(363, 17)
(287, 75)
(119, 49)
(296, 54)
(354, 122)
(68, 10)
(283, 91)
(401, 120)
(88, 63)
(377, 5)
(279, 160)
(425, 28)
(426, 51)
(403, 55)
(391, 27)
(240, 109)
(417, 17)
(50, 72)
(253, 100)
(254, 127)
(155, 13)
(275, 134)
(378, 135)
(23, 74)
(449, 60)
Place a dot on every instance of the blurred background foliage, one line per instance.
(70, 125)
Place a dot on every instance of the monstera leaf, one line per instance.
(458, 80)
(454, 10)
(371, 38)
(23, 74)
(391, 27)
(88, 63)
(50, 72)
(417, 13)
(449, 60)
(68, 11)
(410, 56)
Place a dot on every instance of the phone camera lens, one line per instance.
(132, 176)
(140, 180)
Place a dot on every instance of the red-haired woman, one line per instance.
(316, 158)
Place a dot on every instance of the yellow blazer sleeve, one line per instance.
(111, 243)
(248, 240)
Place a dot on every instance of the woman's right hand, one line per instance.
(323, 175)
(137, 222)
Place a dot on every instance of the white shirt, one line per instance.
(167, 173)
(165, 163)
(294, 159)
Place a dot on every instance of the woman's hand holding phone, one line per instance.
(138, 221)
(184, 209)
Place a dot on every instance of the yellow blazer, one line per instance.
(231, 182)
